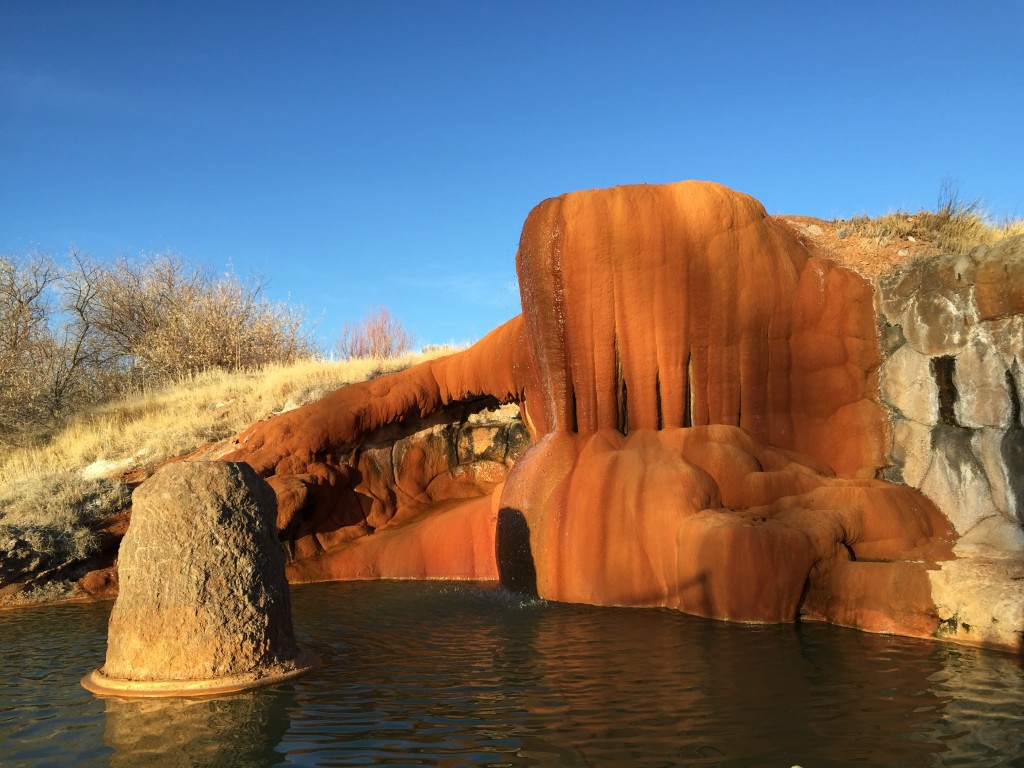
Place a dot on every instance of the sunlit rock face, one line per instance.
(203, 602)
(710, 424)
(396, 490)
(952, 379)
(702, 399)
(685, 304)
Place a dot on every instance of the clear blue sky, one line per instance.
(367, 153)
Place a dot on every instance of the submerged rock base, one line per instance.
(204, 607)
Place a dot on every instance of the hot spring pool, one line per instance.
(441, 674)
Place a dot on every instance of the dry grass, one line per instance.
(52, 493)
(956, 227)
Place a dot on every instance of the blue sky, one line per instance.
(359, 154)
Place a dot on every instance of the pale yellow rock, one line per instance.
(912, 450)
(995, 533)
(987, 445)
(937, 324)
(980, 379)
(1007, 336)
(980, 599)
(907, 384)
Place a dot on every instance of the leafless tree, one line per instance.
(377, 335)
(80, 334)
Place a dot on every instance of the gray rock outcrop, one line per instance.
(953, 379)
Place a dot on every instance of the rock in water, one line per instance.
(204, 605)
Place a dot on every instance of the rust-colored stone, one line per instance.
(678, 332)
(999, 282)
(701, 388)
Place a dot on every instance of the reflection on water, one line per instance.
(240, 730)
(458, 675)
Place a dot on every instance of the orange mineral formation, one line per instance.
(701, 393)
(704, 380)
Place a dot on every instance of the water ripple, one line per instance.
(468, 675)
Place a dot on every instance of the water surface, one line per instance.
(422, 673)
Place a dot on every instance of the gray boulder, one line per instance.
(203, 595)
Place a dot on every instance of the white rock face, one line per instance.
(983, 399)
(952, 377)
(988, 447)
(907, 385)
(937, 324)
(956, 481)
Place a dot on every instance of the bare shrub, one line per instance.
(377, 335)
(40, 369)
(162, 319)
(75, 336)
(24, 315)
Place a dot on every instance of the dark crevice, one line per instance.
(1011, 447)
(689, 399)
(850, 552)
(657, 399)
(803, 598)
(942, 371)
(574, 420)
(1011, 387)
(516, 569)
(621, 396)
(623, 408)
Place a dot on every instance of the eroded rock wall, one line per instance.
(952, 378)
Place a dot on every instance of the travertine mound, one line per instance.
(203, 600)
(686, 304)
(700, 384)
(677, 332)
(713, 522)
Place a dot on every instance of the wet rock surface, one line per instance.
(691, 458)
(392, 479)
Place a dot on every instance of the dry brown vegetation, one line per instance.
(78, 334)
(377, 335)
(106, 367)
(52, 493)
(955, 227)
